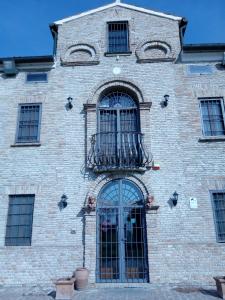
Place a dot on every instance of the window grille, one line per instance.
(20, 219)
(29, 123)
(212, 111)
(118, 37)
(219, 214)
(37, 77)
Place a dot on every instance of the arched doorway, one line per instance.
(121, 233)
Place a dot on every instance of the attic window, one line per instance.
(37, 77)
(118, 37)
(200, 69)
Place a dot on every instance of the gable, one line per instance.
(116, 4)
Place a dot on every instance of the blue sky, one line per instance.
(24, 24)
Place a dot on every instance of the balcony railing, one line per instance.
(118, 151)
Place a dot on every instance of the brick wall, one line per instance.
(181, 241)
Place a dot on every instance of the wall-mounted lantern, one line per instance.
(164, 103)
(63, 202)
(69, 104)
(174, 199)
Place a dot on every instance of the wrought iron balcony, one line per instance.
(118, 151)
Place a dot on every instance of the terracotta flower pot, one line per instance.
(220, 285)
(64, 288)
(81, 276)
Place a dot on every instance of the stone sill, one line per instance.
(108, 54)
(219, 138)
(26, 145)
(80, 63)
(152, 210)
(154, 60)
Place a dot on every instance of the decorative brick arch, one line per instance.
(104, 179)
(113, 83)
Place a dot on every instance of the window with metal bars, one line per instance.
(212, 111)
(28, 128)
(218, 199)
(19, 221)
(118, 37)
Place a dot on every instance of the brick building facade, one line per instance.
(112, 153)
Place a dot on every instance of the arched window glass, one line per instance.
(120, 193)
(118, 99)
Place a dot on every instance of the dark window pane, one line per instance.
(20, 219)
(212, 117)
(29, 123)
(37, 77)
(219, 213)
(118, 37)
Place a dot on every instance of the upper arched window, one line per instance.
(118, 112)
(118, 143)
(117, 99)
(118, 137)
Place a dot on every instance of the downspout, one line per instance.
(54, 31)
(183, 25)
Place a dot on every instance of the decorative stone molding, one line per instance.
(80, 54)
(154, 51)
(89, 107)
(145, 105)
(118, 82)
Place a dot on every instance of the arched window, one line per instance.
(118, 137)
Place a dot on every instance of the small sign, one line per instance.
(193, 202)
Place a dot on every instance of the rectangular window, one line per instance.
(200, 69)
(20, 219)
(212, 111)
(37, 77)
(118, 37)
(218, 199)
(28, 130)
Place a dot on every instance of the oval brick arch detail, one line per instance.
(114, 83)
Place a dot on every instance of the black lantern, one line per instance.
(166, 100)
(63, 202)
(175, 198)
(69, 104)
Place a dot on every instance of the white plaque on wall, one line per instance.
(193, 202)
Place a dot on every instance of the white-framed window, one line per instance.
(212, 116)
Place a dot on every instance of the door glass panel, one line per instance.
(108, 244)
(134, 243)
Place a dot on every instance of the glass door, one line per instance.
(121, 234)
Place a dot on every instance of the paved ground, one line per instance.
(151, 293)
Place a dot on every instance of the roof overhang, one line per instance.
(116, 4)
